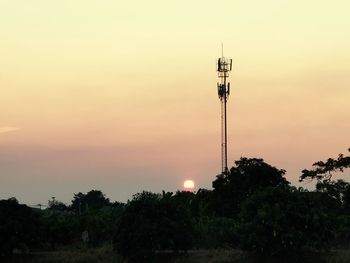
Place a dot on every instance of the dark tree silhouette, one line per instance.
(325, 170)
(252, 206)
(53, 204)
(284, 221)
(18, 226)
(247, 176)
(94, 199)
(339, 191)
(59, 227)
(152, 222)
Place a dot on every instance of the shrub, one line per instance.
(285, 221)
(18, 226)
(150, 223)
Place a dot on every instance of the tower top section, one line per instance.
(224, 66)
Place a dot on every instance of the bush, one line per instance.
(100, 224)
(18, 226)
(59, 227)
(285, 221)
(151, 223)
(214, 232)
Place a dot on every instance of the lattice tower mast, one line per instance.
(224, 66)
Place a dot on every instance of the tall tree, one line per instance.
(247, 176)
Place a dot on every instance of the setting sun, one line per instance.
(189, 185)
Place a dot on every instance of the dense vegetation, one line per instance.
(251, 207)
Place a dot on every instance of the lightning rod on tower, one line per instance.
(224, 66)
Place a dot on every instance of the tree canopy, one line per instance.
(325, 170)
(252, 207)
(247, 176)
(19, 226)
(152, 222)
(93, 199)
(284, 221)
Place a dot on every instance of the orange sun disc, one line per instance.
(189, 184)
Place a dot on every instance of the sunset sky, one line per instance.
(121, 95)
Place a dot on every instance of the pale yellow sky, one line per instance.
(121, 95)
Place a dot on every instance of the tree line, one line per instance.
(251, 207)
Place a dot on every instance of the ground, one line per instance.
(106, 255)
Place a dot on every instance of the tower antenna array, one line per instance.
(224, 66)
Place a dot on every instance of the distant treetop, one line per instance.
(325, 170)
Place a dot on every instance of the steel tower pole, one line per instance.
(224, 66)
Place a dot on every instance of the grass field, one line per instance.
(106, 255)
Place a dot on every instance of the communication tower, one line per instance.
(224, 66)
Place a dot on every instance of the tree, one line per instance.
(284, 221)
(339, 191)
(18, 226)
(152, 222)
(59, 227)
(325, 170)
(246, 177)
(100, 224)
(204, 203)
(53, 204)
(93, 199)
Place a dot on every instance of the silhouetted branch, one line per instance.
(325, 170)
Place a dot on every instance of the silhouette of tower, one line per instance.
(224, 66)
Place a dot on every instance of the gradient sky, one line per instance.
(121, 95)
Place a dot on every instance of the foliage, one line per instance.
(151, 222)
(59, 227)
(214, 232)
(285, 221)
(53, 204)
(249, 175)
(94, 199)
(343, 231)
(251, 207)
(100, 224)
(339, 191)
(325, 170)
(197, 204)
(204, 203)
(18, 226)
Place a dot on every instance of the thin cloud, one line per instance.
(8, 129)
